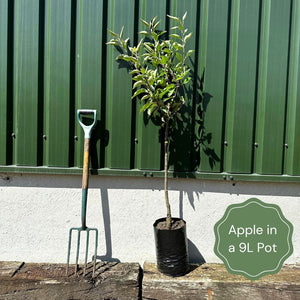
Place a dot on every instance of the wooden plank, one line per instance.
(9, 268)
(212, 281)
(49, 281)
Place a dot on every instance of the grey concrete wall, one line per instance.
(38, 210)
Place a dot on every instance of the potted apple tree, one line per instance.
(158, 65)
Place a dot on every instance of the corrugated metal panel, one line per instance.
(89, 79)
(119, 86)
(54, 60)
(3, 80)
(272, 87)
(25, 83)
(58, 96)
(292, 141)
(214, 64)
(241, 92)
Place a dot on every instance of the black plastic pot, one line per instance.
(171, 249)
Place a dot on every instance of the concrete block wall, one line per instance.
(38, 210)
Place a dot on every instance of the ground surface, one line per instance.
(20, 280)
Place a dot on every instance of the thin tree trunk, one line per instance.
(166, 150)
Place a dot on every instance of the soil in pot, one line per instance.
(175, 224)
(171, 247)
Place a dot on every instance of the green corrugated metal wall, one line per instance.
(242, 114)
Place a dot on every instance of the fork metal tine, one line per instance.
(86, 250)
(95, 254)
(69, 249)
(77, 251)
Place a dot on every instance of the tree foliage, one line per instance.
(158, 67)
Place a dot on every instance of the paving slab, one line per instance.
(213, 282)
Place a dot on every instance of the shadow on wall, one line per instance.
(107, 228)
(190, 141)
(194, 254)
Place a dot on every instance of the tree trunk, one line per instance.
(166, 150)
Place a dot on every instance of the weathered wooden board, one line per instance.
(125, 281)
(213, 282)
(49, 281)
(9, 268)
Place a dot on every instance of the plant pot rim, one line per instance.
(164, 219)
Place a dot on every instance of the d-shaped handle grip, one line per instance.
(87, 128)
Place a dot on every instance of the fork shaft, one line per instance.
(85, 180)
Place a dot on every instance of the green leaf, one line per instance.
(186, 80)
(125, 57)
(151, 109)
(138, 92)
(179, 57)
(167, 51)
(144, 32)
(170, 86)
(155, 36)
(145, 97)
(161, 95)
(153, 21)
(112, 33)
(148, 48)
(187, 37)
(137, 77)
(179, 117)
(121, 33)
(164, 60)
(178, 46)
(134, 72)
(161, 33)
(145, 106)
(145, 23)
(112, 42)
(138, 83)
(189, 53)
(155, 25)
(174, 35)
(126, 41)
(174, 18)
(138, 48)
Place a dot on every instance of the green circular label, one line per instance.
(253, 239)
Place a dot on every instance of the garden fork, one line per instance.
(85, 176)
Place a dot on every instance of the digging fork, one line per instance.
(85, 177)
